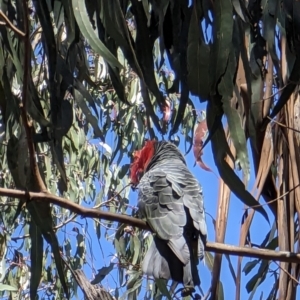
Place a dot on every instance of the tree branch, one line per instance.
(283, 256)
(9, 24)
(23, 106)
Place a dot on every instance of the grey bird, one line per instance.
(170, 200)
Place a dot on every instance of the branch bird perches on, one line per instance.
(282, 256)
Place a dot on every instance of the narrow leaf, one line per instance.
(220, 150)
(6, 287)
(161, 284)
(88, 32)
(197, 59)
(36, 257)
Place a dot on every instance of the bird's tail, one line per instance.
(161, 262)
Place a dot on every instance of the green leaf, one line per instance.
(257, 279)
(64, 118)
(222, 36)
(98, 230)
(101, 274)
(88, 32)
(6, 287)
(288, 90)
(59, 263)
(36, 258)
(231, 268)
(270, 13)
(89, 116)
(41, 214)
(220, 149)
(137, 249)
(135, 286)
(87, 96)
(240, 8)
(209, 260)
(123, 171)
(67, 247)
(250, 265)
(119, 242)
(162, 286)
(197, 59)
(221, 291)
(234, 120)
(3, 251)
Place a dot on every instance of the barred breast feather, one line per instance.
(170, 199)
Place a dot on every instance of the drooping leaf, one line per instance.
(112, 13)
(86, 28)
(41, 214)
(231, 268)
(250, 265)
(209, 260)
(237, 133)
(222, 34)
(221, 149)
(101, 274)
(6, 287)
(197, 59)
(258, 278)
(36, 258)
(287, 91)
(143, 48)
(161, 284)
(123, 171)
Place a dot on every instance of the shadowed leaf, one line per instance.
(197, 59)
(101, 274)
(220, 149)
(161, 284)
(36, 258)
(86, 28)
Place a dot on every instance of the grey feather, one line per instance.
(171, 200)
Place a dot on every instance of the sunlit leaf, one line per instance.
(6, 287)
(161, 284)
(88, 31)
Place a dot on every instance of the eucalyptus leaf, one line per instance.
(6, 287)
(161, 284)
(36, 258)
(85, 26)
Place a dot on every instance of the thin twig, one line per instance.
(22, 237)
(266, 254)
(65, 222)
(113, 198)
(274, 94)
(274, 200)
(283, 125)
(288, 274)
(11, 25)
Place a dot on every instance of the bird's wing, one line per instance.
(161, 205)
(164, 195)
(180, 183)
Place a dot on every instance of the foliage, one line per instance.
(104, 76)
